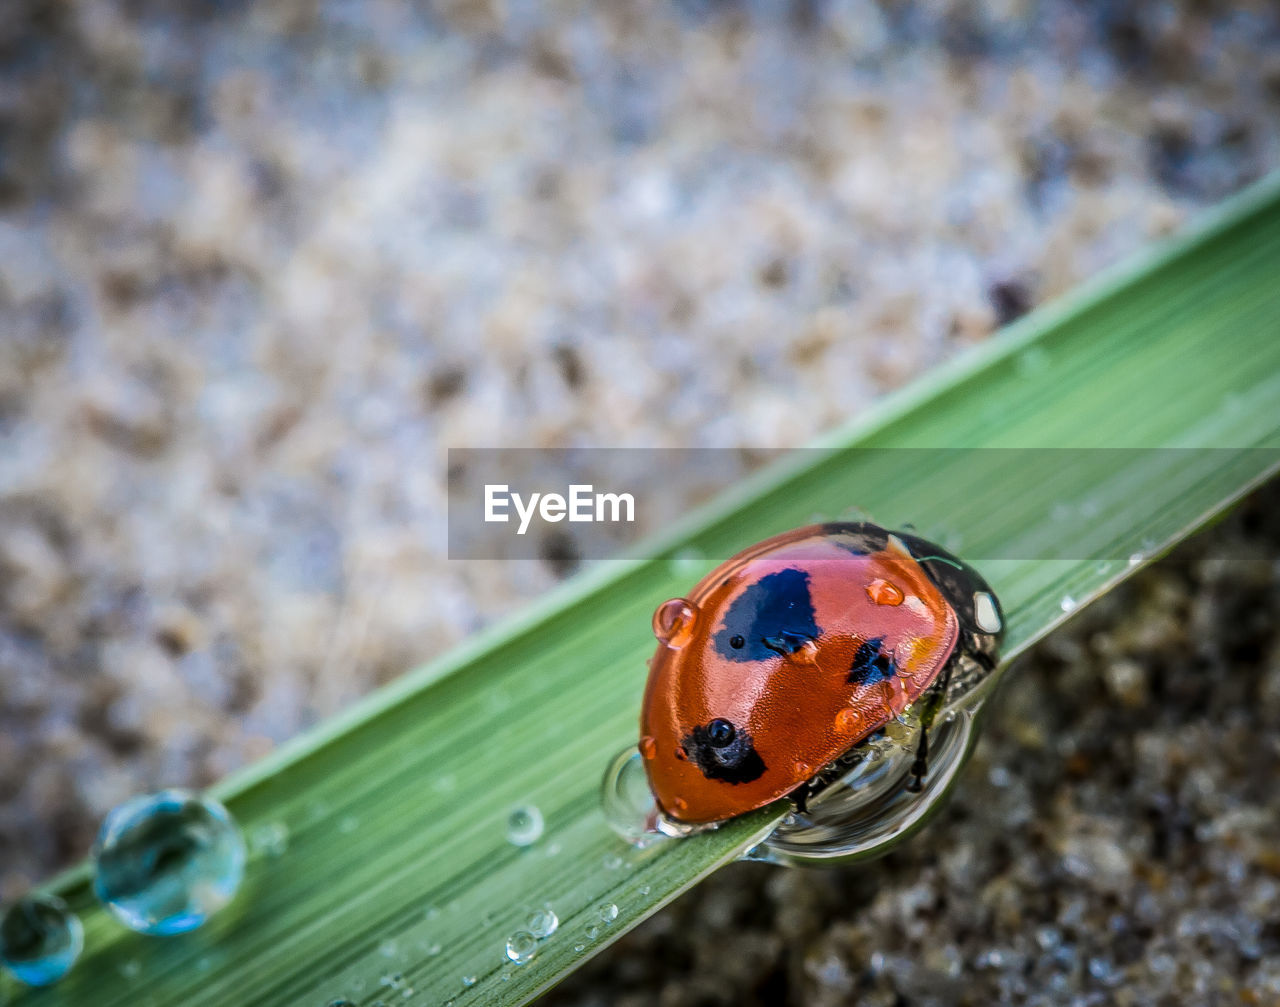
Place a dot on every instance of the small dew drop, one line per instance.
(543, 922)
(1068, 603)
(608, 912)
(432, 948)
(522, 946)
(686, 563)
(388, 948)
(469, 981)
(340, 1002)
(848, 720)
(612, 861)
(645, 889)
(579, 947)
(593, 933)
(553, 850)
(803, 770)
(1135, 559)
(270, 840)
(131, 969)
(524, 825)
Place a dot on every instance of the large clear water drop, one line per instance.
(164, 863)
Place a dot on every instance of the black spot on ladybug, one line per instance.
(872, 664)
(773, 616)
(723, 752)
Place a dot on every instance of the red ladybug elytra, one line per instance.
(787, 655)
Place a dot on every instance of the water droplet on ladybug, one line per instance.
(673, 621)
(803, 769)
(881, 592)
(679, 804)
(648, 747)
(848, 720)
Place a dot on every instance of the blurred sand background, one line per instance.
(261, 264)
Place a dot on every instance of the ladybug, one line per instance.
(789, 654)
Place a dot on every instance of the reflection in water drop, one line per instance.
(524, 825)
(1067, 604)
(871, 808)
(521, 947)
(40, 939)
(608, 912)
(164, 862)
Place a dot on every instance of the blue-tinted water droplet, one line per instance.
(521, 947)
(543, 922)
(468, 981)
(340, 1002)
(524, 825)
(40, 939)
(163, 863)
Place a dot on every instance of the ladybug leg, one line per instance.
(933, 703)
(800, 796)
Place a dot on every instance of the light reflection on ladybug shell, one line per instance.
(783, 658)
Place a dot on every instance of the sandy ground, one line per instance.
(261, 264)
